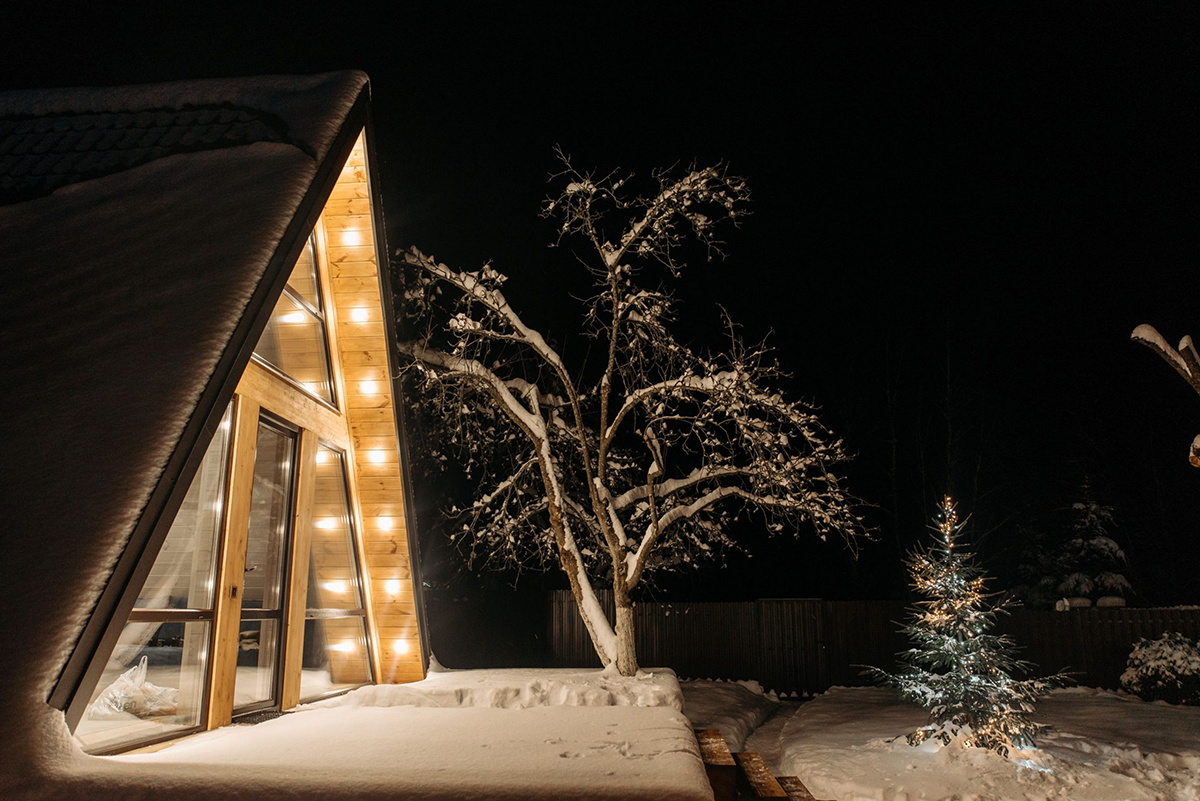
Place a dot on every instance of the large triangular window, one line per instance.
(294, 342)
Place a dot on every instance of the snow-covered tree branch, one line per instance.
(1186, 362)
(639, 461)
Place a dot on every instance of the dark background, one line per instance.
(959, 216)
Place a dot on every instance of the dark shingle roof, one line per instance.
(39, 154)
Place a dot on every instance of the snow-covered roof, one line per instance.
(132, 285)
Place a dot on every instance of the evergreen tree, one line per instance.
(1092, 558)
(956, 669)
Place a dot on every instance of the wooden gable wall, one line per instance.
(357, 320)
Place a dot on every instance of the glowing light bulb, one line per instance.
(326, 523)
(368, 387)
(376, 457)
(351, 239)
(335, 586)
(293, 317)
(343, 647)
(358, 315)
(400, 646)
(322, 457)
(392, 586)
(384, 523)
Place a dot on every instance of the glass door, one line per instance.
(260, 633)
(337, 653)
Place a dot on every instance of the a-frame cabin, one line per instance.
(205, 468)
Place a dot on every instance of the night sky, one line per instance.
(958, 218)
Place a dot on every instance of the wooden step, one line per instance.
(795, 789)
(743, 776)
(755, 779)
(718, 764)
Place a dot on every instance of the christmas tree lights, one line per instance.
(956, 668)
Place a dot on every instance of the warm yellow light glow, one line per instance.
(344, 647)
(384, 523)
(392, 586)
(377, 457)
(326, 523)
(335, 586)
(351, 238)
(322, 457)
(311, 386)
(400, 646)
(293, 317)
(368, 387)
(358, 315)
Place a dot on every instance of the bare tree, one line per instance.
(640, 462)
(1185, 361)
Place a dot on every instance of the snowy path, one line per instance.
(735, 708)
(767, 739)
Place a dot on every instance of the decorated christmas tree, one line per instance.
(956, 669)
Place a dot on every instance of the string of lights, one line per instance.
(957, 669)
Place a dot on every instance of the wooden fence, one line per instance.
(808, 645)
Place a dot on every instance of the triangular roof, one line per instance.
(136, 278)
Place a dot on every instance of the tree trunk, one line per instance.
(626, 653)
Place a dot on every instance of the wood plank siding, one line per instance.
(360, 424)
(355, 317)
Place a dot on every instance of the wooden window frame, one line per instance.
(291, 515)
(264, 391)
(305, 614)
(322, 315)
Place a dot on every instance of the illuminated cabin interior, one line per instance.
(271, 564)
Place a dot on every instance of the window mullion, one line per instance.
(297, 592)
(231, 578)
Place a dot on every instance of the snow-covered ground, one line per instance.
(577, 734)
(848, 744)
(509, 734)
(736, 708)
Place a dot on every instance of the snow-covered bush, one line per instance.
(1166, 669)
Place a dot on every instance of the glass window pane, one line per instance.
(183, 572)
(258, 654)
(335, 656)
(294, 342)
(303, 280)
(332, 568)
(270, 507)
(152, 685)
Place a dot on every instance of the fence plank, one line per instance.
(807, 645)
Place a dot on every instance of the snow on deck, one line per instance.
(848, 744)
(501, 734)
(469, 752)
(522, 688)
